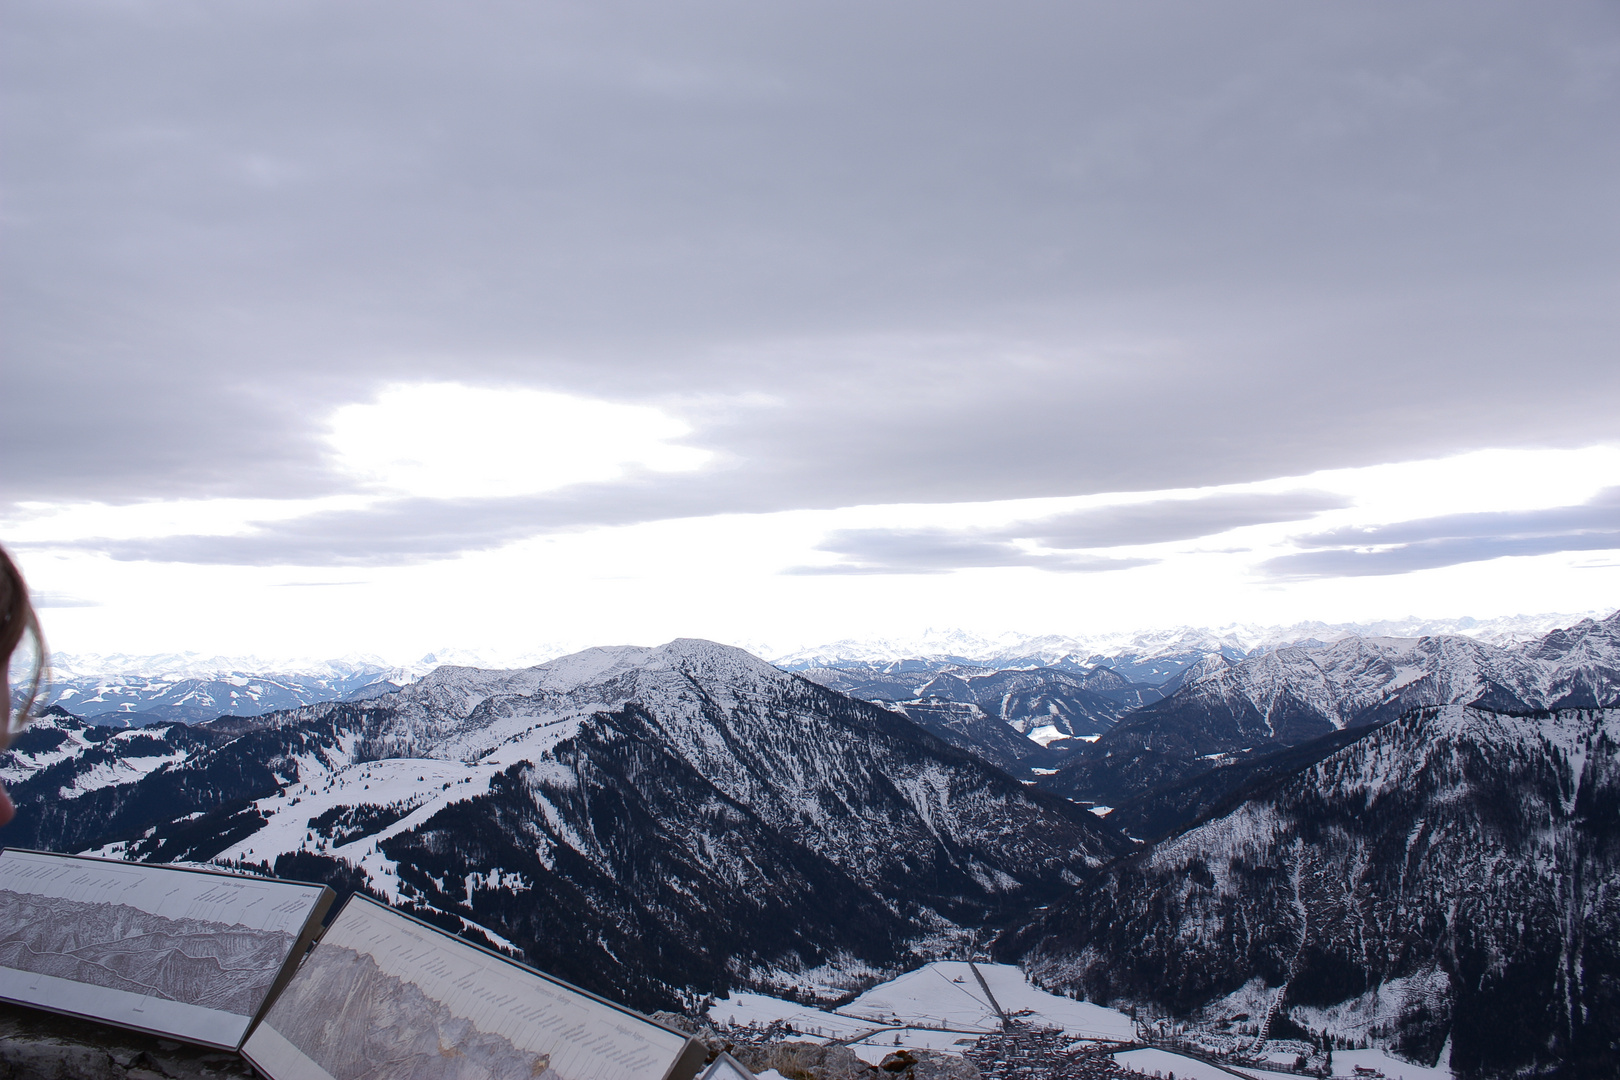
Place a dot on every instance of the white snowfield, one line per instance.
(940, 1006)
(1154, 1062)
(946, 994)
(1345, 1063)
(1151, 1061)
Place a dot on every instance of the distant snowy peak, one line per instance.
(193, 665)
(607, 669)
(1233, 640)
(466, 713)
(137, 700)
(72, 665)
(931, 643)
(128, 690)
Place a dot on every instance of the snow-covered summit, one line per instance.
(607, 674)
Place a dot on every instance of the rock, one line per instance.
(812, 1061)
(37, 1045)
(938, 1065)
(928, 1065)
(805, 1061)
(676, 1020)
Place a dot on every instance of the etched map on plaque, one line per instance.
(187, 953)
(385, 997)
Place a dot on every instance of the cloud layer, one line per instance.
(929, 253)
(1048, 543)
(1429, 543)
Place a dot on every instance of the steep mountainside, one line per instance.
(1452, 875)
(965, 726)
(1293, 694)
(639, 821)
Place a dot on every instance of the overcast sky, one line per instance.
(347, 327)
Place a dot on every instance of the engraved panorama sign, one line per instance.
(384, 996)
(191, 954)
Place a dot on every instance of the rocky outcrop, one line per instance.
(42, 1046)
(813, 1061)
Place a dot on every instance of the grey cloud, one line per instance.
(405, 531)
(1178, 519)
(1428, 543)
(974, 252)
(938, 551)
(393, 534)
(927, 551)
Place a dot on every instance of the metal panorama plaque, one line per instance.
(186, 953)
(384, 996)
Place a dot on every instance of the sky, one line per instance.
(329, 329)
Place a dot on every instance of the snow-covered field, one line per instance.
(743, 1008)
(1345, 1062)
(937, 1007)
(1154, 1062)
(1151, 1062)
(946, 994)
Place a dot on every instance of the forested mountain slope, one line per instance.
(1453, 875)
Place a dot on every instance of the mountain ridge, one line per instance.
(1289, 695)
(639, 821)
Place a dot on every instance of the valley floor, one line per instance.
(944, 1006)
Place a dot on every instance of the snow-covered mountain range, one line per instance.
(130, 690)
(1379, 836)
(1230, 711)
(132, 700)
(1145, 646)
(640, 821)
